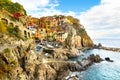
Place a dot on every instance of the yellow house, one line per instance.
(43, 33)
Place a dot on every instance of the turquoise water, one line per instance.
(104, 70)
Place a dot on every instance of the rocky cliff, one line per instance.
(20, 61)
(77, 37)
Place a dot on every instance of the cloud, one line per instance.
(45, 12)
(103, 20)
(38, 8)
(70, 13)
(100, 21)
(32, 4)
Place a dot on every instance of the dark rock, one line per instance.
(99, 45)
(48, 50)
(108, 59)
(1, 35)
(95, 58)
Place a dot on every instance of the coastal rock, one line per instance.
(87, 42)
(29, 65)
(44, 72)
(108, 59)
(76, 41)
(77, 38)
(74, 53)
(10, 68)
(95, 58)
(24, 63)
(62, 69)
(64, 54)
(99, 46)
(108, 48)
(60, 54)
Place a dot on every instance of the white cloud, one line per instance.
(110, 1)
(30, 4)
(38, 8)
(46, 12)
(70, 13)
(103, 20)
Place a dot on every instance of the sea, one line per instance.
(103, 70)
(108, 42)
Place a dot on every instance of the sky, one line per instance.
(101, 18)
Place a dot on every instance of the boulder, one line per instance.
(44, 72)
(108, 59)
(95, 58)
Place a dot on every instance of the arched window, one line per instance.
(25, 33)
(28, 34)
(11, 24)
(5, 21)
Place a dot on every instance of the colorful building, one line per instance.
(61, 36)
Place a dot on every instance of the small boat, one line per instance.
(38, 47)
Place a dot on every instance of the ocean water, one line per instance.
(104, 70)
(108, 42)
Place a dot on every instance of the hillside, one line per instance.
(65, 29)
(50, 27)
(12, 7)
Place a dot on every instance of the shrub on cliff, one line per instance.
(14, 30)
(7, 50)
(12, 7)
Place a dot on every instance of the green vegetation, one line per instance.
(12, 7)
(13, 18)
(9, 29)
(14, 30)
(7, 50)
(14, 62)
(82, 30)
(5, 69)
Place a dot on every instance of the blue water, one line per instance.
(104, 70)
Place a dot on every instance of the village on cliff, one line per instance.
(40, 48)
